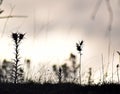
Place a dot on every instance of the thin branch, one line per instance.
(112, 66)
(13, 16)
(1, 1)
(102, 68)
(10, 16)
(118, 2)
(109, 7)
(98, 4)
(109, 28)
(7, 21)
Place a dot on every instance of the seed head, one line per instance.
(78, 47)
(81, 43)
(117, 66)
(21, 36)
(15, 36)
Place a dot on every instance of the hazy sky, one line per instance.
(54, 26)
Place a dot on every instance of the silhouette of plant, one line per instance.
(65, 71)
(79, 49)
(118, 72)
(28, 63)
(74, 66)
(17, 72)
(27, 72)
(109, 27)
(112, 66)
(89, 77)
(60, 75)
(6, 70)
(1, 75)
(103, 75)
(58, 72)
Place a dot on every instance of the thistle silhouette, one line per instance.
(16, 71)
(79, 49)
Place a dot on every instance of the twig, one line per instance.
(109, 7)
(112, 66)
(13, 16)
(7, 21)
(102, 68)
(96, 9)
(109, 29)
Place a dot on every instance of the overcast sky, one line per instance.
(54, 26)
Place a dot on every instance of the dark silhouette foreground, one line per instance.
(66, 88)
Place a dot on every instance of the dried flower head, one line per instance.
(81, 43)
(117, 66)
(28, 60)
(21, 36)
(15, 36)
(78, 47)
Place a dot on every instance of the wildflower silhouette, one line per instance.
(16, 71)
(90, 76)
(118, 72)
(60, 74)
(65, 71)
(79, 48)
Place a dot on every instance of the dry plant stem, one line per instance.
(12, 8)
(17, 37)
(102, 68)
(10, 16)
(13, 16)
(60, 76)
(89, 78)
(80, 68)
(110, 11)
(16, 62)
(1, 2)
(109, 29)
(118, 74)
(96, 9)
(112, 66)
(119, 59)
(79, 48)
